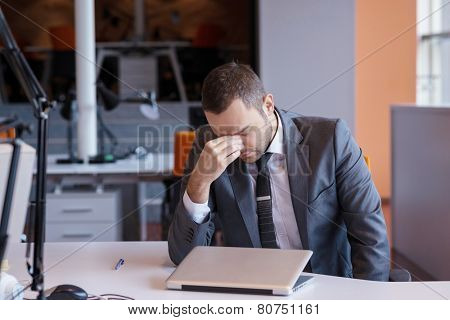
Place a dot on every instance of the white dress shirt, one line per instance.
(287, 233)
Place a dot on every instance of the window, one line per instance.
(433, 55)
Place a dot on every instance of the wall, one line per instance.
(385, 78)
(303, 44)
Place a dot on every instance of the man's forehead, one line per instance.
(234, 130)
(230, 129)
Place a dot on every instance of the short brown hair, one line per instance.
(229, 82)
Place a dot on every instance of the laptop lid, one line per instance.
(240, 270)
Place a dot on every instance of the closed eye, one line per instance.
(244, 131)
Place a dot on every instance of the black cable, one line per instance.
(116, 295)
(109, 296)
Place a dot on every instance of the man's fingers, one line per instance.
(233, 156)
(231, 148)
(224, 139)
(222, 151)
(226, 145)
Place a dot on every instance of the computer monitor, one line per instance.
(22, 187)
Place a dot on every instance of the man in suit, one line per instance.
(275, 179)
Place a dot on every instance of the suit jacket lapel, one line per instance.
(297, 159)
(242, 188)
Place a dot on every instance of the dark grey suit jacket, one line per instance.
(337, 207)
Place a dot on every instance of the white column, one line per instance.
(86, 77)
(139, 20)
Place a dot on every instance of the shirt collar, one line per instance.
(276, 146)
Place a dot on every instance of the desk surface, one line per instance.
(147, 266)
(152, 164)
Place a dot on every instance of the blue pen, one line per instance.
(119, 264)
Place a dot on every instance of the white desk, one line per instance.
(147, 266)
(154, 166)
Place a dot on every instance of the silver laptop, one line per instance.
(241, 270)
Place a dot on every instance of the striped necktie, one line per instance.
(264, 204)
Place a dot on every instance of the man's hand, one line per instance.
(212, 162)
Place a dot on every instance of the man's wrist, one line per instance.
(198, 190)
(197, 211)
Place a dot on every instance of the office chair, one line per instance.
(7, 133)
(182, 147)
(399, 274)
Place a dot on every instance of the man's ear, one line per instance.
(269, 105)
